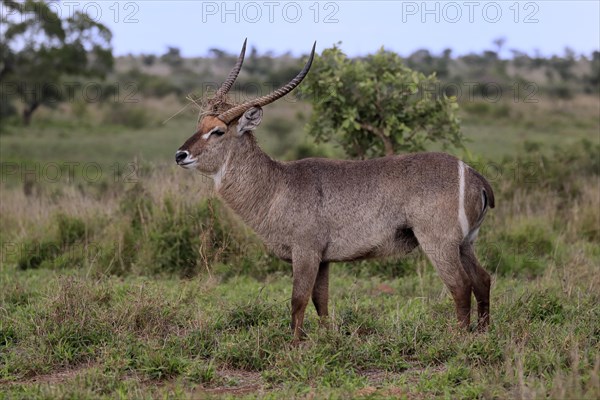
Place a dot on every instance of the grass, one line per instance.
(57, 136)
(148, 288)
(70, 335)
(59, 145)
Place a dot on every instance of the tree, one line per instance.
(592, 81)
(172, 57)
(499, 43)
(148, 59)
(377, 106)
(39, 50)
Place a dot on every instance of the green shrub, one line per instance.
(70, 229)
(35, 253)
(183, 238)
(65, 248)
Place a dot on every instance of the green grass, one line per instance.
(119, 151)
(122, 151)
(110, 335)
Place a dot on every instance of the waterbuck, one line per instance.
(315, 211)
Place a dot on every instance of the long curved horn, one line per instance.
(233, 74)
(236, 111)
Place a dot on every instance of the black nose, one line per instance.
(180, 156)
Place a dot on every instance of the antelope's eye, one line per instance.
(216, 132)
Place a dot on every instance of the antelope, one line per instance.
(315, 211)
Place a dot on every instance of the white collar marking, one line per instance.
(218, 177)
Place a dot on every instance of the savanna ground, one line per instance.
(138, 284)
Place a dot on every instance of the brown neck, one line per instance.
(247, 182)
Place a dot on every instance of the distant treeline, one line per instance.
(559, 76)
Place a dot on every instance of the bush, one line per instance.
(181, 239)
(186, 239)
(65, 248)
(375, 105)
(70, 229)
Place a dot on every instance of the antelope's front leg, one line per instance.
(305, 268)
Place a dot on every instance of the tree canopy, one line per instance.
(39, 49)
(376, 105)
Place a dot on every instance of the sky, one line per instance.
(150, 26)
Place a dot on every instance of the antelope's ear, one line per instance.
(250, 120)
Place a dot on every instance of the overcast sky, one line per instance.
(363, 26)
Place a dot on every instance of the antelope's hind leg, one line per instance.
(480, 281)
(445, 256)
